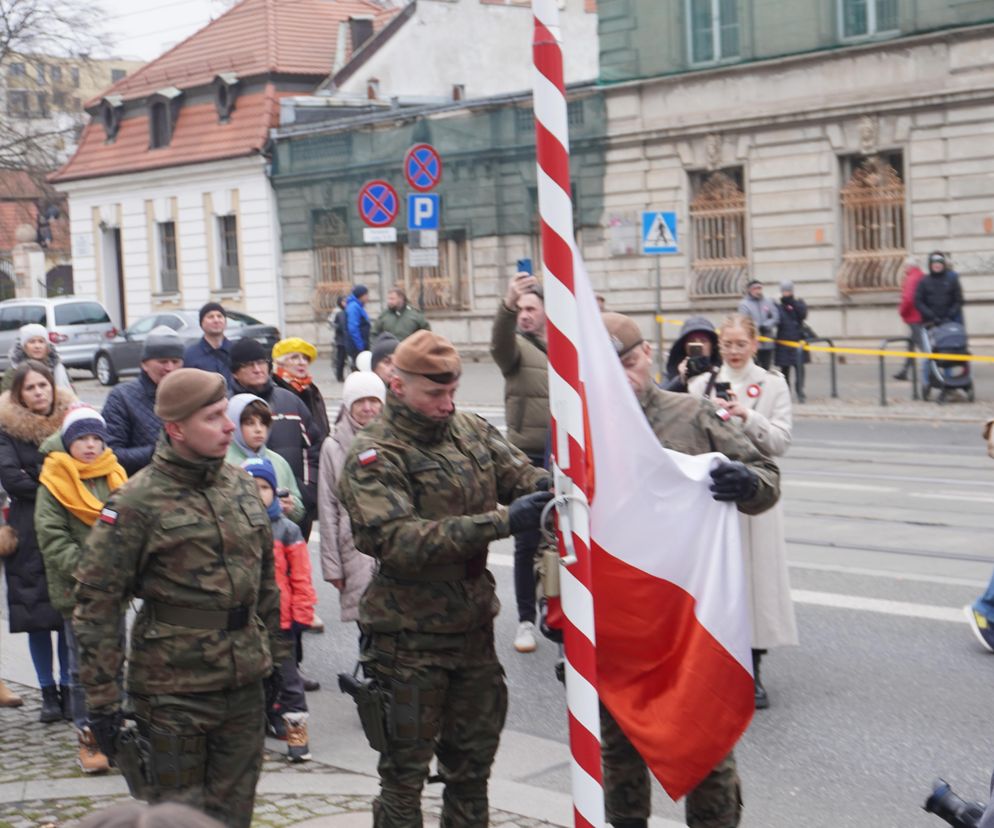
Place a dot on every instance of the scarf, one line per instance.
(63, 475)
(297, 384)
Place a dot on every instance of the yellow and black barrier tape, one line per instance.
(877, 352)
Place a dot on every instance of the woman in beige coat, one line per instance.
(760, 400)
(342, 565)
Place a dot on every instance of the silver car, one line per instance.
(121, 357)
(77, 327)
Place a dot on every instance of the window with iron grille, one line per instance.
(332, 258)
(874, 241)
(713, 30)
(860, 18)
(574, 113)
(445, 287)
(227, 227)
(719, 260)
(168, 270)
(524, 120)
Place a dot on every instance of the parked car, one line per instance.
(121, 356)
(77, 327)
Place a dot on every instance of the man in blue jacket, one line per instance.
(357, 321)
(212, 352)
(132, 425)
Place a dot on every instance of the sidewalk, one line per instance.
(40, 785)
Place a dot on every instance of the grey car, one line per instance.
(121, 356)
(77, 327)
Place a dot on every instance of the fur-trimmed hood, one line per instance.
(22, 425)
(16, 356)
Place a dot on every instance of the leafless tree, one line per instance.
(33, 30)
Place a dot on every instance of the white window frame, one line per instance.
(871, 22)
(715, 36)
(160, 259)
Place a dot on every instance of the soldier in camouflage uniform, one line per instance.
(422, 487)
(752, 481)
(189, 535)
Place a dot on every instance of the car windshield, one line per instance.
(240, 320)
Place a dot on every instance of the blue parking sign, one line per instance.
(422, 211)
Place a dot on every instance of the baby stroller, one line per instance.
(944, 374)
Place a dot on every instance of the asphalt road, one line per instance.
(889, 535)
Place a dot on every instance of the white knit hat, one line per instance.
(32, 331)
(362, 384)
(364, 361)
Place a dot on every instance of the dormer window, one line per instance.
(110, 115)
(163, 112)
(225, 93)
(360, 30)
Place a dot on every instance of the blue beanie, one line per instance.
(261, 467)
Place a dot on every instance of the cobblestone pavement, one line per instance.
(36, 752)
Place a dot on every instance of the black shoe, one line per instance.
(629, 823)
(310, 685)
(65, 698)
(902, 376)
(762, 701)
(275, 727)
(51, 705)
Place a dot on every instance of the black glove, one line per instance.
(545, 484)
(105, 728)
(525, 512)
(273, 685)
(733, 481)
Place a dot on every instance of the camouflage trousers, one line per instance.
(715, 803)
(447, 699)
(207, 749)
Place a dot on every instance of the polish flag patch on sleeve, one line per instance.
(367, 457)
(722, 414)
(108, 516)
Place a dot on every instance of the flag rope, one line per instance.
(569, 444)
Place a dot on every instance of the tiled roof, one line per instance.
(197, 137)
(19, 196)
(255, 37)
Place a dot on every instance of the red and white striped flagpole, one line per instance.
(566, 403)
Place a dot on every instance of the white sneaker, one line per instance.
(524, 641)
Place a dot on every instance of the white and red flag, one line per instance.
(674, 662)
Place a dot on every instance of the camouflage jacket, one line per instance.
(192, 535)
(423, 498)
(692, 425)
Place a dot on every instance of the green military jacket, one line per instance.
(400, 323)
(692, 425)
(423, 496)
(187, 534)
(61, 534)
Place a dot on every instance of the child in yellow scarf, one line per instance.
(77, 477)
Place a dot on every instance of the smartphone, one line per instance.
(695, 349)
(722, 390)
(281, 492)
(525, 266)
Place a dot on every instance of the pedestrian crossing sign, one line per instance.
(659, 232)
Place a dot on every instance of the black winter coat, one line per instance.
(132, 427)
(314, 400)
(939, 298)
(21, 433)
(793, 312)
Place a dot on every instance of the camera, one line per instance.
(722, 390)
(697, 362)
(953, 809)
(282, 492)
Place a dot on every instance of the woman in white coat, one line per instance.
(342, 565)
(760, 399)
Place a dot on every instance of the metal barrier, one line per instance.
(883, 368)
(833, 372)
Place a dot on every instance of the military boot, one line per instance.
(762, 700)
(65, 699)
(8, 698)
(90, 759)
(51, 706)
(297, 749)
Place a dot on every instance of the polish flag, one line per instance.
(674, 664)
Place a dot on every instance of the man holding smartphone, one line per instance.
(518, 346)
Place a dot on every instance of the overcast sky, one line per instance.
(147, 28)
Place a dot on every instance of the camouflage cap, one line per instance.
(623, 330)
(185, 391)
(429, 355)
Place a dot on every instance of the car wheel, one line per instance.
(104, 371)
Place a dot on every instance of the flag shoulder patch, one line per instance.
(367, 457)
(108, 516)
(722, 414)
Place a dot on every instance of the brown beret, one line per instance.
(429, 355)
(185, 391)
(623, 330)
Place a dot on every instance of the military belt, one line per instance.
(473, 568)
(202, 619)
